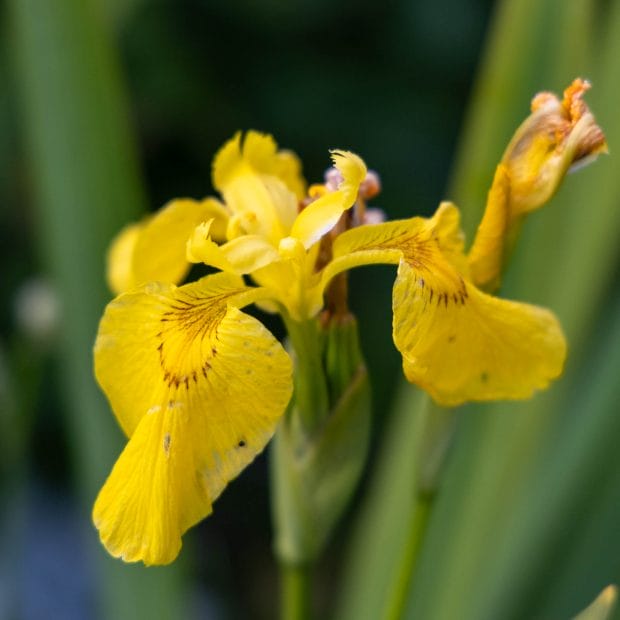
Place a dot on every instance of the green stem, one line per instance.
(295, 596)
(421, 512)
(311, 394)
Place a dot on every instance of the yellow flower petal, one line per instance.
(460, 344)
(487, 255)
(293, 285)
(242, 255)
(457, 343)
(199, 386)
(154, 250)
(247, 176)
(288, 169)
(385, 243)
(321, 215)
(156, 490)
(202, 249)
(119, 268)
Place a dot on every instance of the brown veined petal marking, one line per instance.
(460, 344)
(199, 386)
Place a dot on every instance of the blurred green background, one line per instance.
(109, 109)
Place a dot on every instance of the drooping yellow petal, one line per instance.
(247, 176)
(321, 215)
(457, 343)
(487, 255)
(199, 386)
(154, 250)
(156, 490)
(385, 243)
(460, 344)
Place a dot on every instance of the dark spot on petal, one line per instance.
(241, 443)
(451, 338)
(484, 377)
(167, 443)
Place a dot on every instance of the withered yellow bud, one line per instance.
(556, 136)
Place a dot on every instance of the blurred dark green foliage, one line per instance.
(390, 81)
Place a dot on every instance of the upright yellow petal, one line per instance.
(246, 173)
(321, 215)
(261, 153)
(288, 169)
(199, 386)
(154, 250)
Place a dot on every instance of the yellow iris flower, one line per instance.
(199, 386)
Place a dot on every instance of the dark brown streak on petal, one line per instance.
(193, 322)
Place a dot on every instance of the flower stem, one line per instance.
(419, 521)
(295, 596)
(311, 394)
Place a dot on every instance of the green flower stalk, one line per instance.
(314, 474)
